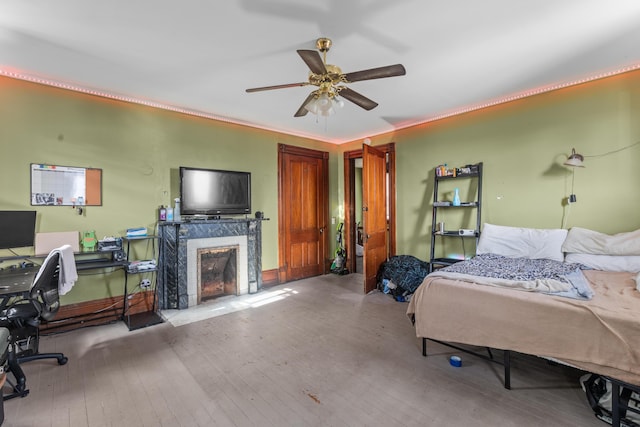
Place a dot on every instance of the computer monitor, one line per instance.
(17, 229)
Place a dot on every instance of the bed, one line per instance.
(600, 334)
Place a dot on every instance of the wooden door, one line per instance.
(374, 213)
(303, 211)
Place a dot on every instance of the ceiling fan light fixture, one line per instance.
(330, 82)
(323, 104)
(327, 112)
(312, 106)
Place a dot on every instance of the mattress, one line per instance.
(601, 335)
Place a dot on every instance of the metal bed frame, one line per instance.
(506, 358)
(619, 407)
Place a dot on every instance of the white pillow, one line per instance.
(629, 263)
(581, 240)
(515, 242)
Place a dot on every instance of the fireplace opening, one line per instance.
(217, 272)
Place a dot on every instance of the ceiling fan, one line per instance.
(330, 82)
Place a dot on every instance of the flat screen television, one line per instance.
(214, 192)
(17, 229)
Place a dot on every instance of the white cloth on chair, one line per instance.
(68, 273)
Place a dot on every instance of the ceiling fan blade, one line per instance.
(376, 73)
(313, 60)
(302, 111)
(259, 89)
(356, 98)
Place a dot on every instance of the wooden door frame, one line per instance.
(350, 198)
(324, 220)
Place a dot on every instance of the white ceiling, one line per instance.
(200, 55)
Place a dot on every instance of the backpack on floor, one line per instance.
(598, 391)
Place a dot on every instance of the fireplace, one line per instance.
(180, 242)
(208, 262)
(217, 272)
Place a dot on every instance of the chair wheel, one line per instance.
(20, 390)
(63, 360)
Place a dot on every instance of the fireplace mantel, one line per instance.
(173, 265)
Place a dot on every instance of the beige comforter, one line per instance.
(601, 335)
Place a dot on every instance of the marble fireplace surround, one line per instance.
(216, 242)
(178, 238)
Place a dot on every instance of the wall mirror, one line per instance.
(53, 185)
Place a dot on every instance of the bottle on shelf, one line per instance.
(456, 197)
(176, 210)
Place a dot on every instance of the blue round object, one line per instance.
(455, 361)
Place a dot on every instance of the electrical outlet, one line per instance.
(145, 283)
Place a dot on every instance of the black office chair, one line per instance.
(23, 319)
(4, 355)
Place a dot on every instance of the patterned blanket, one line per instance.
(533, 275)
(406, 271)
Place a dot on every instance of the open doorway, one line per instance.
(358, 240)
(355, 229)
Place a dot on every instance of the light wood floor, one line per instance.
(324, 355)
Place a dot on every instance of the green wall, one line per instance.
(358, 194)
(140, 150)
(523, 145)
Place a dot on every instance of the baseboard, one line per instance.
(270, 278)
(96, 312)
(108, 310)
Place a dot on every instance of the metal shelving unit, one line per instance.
(149, 317)
(438, 204)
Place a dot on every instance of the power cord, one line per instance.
(464, 251)
(613, 151)
(566, 216)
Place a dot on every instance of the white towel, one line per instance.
(68, 274)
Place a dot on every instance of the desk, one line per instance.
(97, 260)
(17, 278)
(15, 282)
(84, 261)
